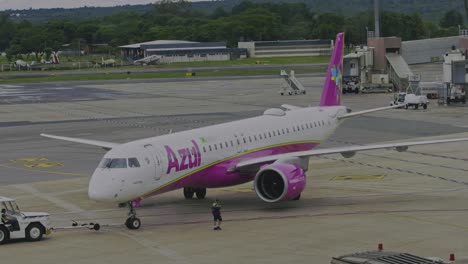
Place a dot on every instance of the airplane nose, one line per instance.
(93, 193)
(98, 190)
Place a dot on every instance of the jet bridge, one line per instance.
(398, 70)
(290, 84)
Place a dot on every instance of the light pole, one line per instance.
(367, 36)
(377, 18)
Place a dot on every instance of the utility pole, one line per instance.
(377, 18)
(79, 54)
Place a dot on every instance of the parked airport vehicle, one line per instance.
(32, 226)
(272, 150)
(456, 94)
(455, 76)
(410, 100)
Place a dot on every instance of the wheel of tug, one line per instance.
(188, 193)
(201, 193)
(133, 223)
(34, 232)
(4, 235)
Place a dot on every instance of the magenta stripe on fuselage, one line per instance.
(218, 175)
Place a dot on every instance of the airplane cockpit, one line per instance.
(119, 163)
(123, 174)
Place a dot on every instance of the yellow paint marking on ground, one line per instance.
(358, 177)
(43, 171)
(425, 219)
(29, 160)
(239, 190)
(43, 165)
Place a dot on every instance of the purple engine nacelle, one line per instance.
(279, 182)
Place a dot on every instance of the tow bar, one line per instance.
(76, 225)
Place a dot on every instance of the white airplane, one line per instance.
(272, 150)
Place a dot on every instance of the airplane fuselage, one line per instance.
(206, 157)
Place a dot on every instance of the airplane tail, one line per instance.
(331, 94)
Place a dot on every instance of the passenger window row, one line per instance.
(265, 135)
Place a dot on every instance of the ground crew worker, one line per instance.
(216, 211)
(4, 216)
(7, 220)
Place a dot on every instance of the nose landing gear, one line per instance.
(132, 222)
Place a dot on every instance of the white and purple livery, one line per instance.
(271, 150)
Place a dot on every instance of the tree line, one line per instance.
(246, 21)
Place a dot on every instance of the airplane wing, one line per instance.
(105, 145)
(345, 151)
(290, 107)
(369, 111)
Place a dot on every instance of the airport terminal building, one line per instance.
(283, 48)
(170, 51)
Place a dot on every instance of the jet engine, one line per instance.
(279, 182)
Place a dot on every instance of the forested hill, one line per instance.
(431, 10)
(73, 14)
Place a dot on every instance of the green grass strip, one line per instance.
(135, 76)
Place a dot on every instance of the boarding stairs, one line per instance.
(398, 70)
(290, 84)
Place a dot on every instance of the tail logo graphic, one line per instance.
(336, 75)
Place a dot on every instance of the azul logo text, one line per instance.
(190, 157)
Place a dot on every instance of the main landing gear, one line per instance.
(189, 192)
(132, 222)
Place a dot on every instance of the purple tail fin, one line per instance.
(331, 94)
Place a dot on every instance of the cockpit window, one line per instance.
(133, 163)
(114, 163)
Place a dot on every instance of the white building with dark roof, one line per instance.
(283, 48)
(170, 51)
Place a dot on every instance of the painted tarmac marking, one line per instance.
(239, 190)
(43, 165)
(10, 86)
(420, 219)
(43, 171)
(29, 160)
(358, 177)
(158, 248)
(393, 169)
(59, 202)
